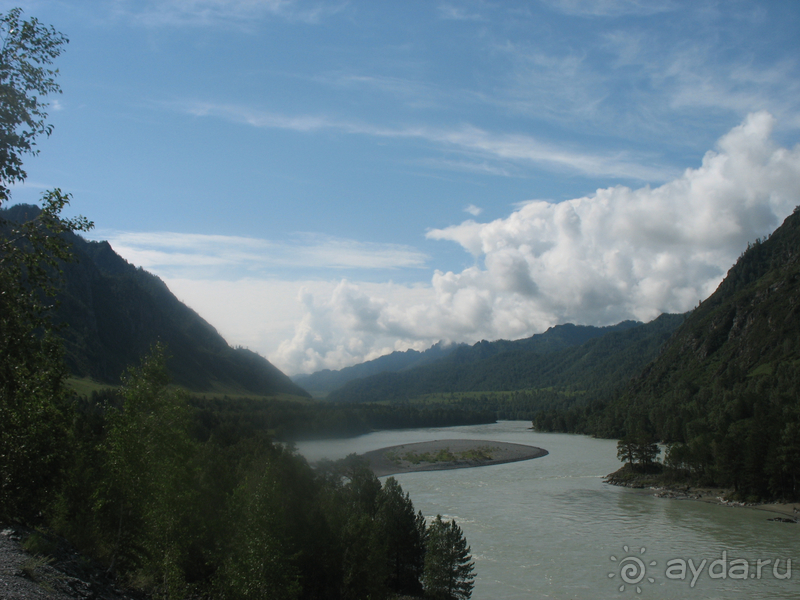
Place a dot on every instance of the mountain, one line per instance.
(113, 312)
(573, 358)
(323, 382)
(725, 392)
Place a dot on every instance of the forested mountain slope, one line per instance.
(114, 312)
(579, 361)
(726, 390)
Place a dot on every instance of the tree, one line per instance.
(449, 570)
(25, 78)
(638, 451)
(259, 563)
(34, 414)
(646, 451)
(404, 533)
(626, 450)
(149, 488)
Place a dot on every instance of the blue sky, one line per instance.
(326, 182)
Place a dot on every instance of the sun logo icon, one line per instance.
(632, 570)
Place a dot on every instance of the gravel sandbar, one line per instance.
(393, 460)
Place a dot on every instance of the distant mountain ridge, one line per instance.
(570, 356)
(114, 312)
(320, 383)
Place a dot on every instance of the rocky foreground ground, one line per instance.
(56, 572)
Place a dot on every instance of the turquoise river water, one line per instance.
(550, 527)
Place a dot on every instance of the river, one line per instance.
(550, 527)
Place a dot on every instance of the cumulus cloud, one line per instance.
(617, 254)
(353, 323)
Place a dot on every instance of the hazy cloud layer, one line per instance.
(523, 150)
(618, 254)
(231, 257)
(161, 13)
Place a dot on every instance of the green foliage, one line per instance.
(294, 420)
(404, 533)
(25, 78)
(448, 573)
(39, 544)
(178, 510)
(259, 563)
(150, 478)
(443, 455)
(639, 452)
(34, 413)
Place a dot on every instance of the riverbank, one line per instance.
(439, 455)
(652, 485)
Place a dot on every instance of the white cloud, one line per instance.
(610, 8)
(158, 13)
(473, 210)
(620, 253)
(527, 149)
(352, 323)
(253, 312)
(523, 150)
(457, 13)
(679, 81)
(617, 254)
(210, 256)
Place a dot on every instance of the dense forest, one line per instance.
(177, 500)
(723, 394)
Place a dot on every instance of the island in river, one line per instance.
(439, 455)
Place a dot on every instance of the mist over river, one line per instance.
(550, 528)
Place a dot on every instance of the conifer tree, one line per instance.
(449, 569)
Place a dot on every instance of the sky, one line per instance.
(327, 182)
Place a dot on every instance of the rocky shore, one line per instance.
(447, 454)
(653, 484)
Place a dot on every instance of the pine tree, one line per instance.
(404, 533)
(449, 570)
